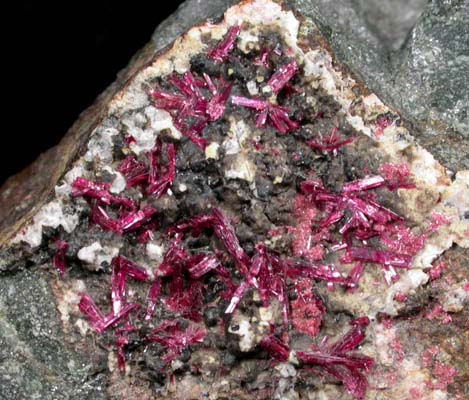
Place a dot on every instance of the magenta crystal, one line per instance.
(237, 296)
(227, 44)
(95, 190)
(370, 255)
(225, 231)
(280, 120)
(367, 183)
(256, 104)
(91, 311)
(100, 217)
(135, 172)
(282, 76)
(173, 260)
(170, 335)
(131, 269)
(263, 59)
(122, 340)
(135, 220)
(276, 115)
(159, 182)
(191, 110)
(206, 264)
(327, 273)
(276, 348)
(339, 361)
(217, 104)
(397, 176)
(58, 260)
(152, 298)
(118, 283)
(330, 143)
(97, 320)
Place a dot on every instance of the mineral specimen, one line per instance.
(244, 239)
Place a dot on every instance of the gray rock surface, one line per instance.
(36, 362)
(423, 73)
(425, 79)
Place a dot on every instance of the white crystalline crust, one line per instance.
(95, 254)
(50, 215)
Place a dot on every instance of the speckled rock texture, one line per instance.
(414, 54)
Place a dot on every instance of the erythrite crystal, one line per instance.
(367, 219)
(191, 109)
(95, 190)
(217, 104)
(263, 59)
(99, 322)
(225, 231)
(206, 267)
(277, 116)
(122, 340)
(382, 257)
(160, 178)
(171, 336)
(184, 297)
(130, 221)
(381, 124)
(58, 260)
(221, 51)
(117, 285)
(397, 176)
(100, 217)
(203, 265)
(135, 220)
(135, 172)
(282, 76)
(329, 143)
(399, 238)
(307, 309)
(91, 310)
(276, 348)
(371, 182)
(443, 375)
(339, 361)
(152, 298)
(306, 243)
(133, 270)
(256, 104)
(436, 270)
(437, 220)
(327, 273)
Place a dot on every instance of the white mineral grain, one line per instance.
(95, 254)
(252, 88)
(101, 145)
(119, 183)
(64, 189)
(50, 215)
(211, 151)
(155, 251)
